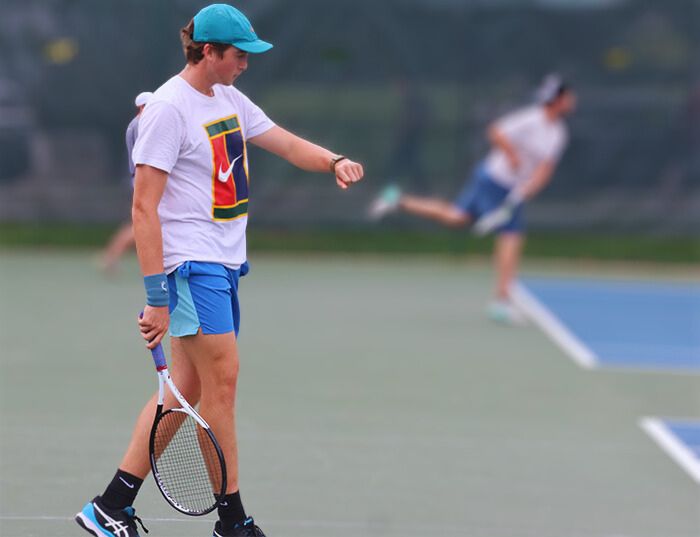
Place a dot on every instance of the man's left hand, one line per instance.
(348, 172)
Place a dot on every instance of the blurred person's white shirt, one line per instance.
(534, 137)
(173, 138)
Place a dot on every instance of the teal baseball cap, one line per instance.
(221, 23)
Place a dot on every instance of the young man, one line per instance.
(526, 147)
(189, 216)
(122, 240)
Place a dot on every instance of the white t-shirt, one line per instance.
(200, 142)
(535, 138)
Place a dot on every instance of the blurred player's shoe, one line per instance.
(387, 202)
(246, 529)
(504, 312)
(103, 522)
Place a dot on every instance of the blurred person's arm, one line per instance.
(148, 189)
(307, 156)
(539, 179)
(489, 222)
(130, 142)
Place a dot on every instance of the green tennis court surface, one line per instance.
(375, 400)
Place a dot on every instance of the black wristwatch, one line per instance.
(335, 161)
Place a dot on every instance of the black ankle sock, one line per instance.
(121, 492)
(231, 511)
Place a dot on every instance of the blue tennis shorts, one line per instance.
(204, 295)
(482, 194)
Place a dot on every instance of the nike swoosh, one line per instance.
(130, 485)
(223, 177)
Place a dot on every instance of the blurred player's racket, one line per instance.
(501, 215)
(187, 462)
(492, 220)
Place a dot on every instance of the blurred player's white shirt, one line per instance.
(534, 137)
(173, 137)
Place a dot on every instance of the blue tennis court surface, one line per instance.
(620, 324)
(680, 439)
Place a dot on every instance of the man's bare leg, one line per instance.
(507, 254)
(215, 359)
(434, 209)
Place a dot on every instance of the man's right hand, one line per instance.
(514, 160)
(153, 324)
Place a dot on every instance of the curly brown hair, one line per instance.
(194, 50)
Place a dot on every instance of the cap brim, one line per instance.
(253, 47)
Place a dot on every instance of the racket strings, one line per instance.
(187, 461)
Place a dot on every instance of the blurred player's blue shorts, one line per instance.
(482, 194)
(204, 295)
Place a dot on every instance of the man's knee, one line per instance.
(456, 218)
(215, 358)
(227, 377)
(224, 376)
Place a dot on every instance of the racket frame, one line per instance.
(492, 220)
(164, 379)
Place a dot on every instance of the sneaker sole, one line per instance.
(87, 525)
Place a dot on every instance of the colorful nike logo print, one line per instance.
(229, 182)
(223, 177)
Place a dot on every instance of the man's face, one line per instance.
(226, 69)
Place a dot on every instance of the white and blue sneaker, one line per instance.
(246, 529)
(386, 202)
(505, 312)
(100, 521)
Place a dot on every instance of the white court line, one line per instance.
(363, 528)
(359, 526)
(288, 523)
(421, 530)
(680, 453)
(553, 327)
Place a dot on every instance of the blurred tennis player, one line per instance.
(526, 146)
(123, 239)
(190, 213)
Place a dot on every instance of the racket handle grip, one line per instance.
(158, 354)
(159, 357)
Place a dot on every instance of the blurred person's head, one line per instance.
(218, 40)
(556, 95)
(141, 100)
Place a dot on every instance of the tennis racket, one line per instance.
(187, 462)
(492, 220)
(501, 215)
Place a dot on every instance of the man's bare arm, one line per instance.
(148, 189)
(539, 179)
(307, 156)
